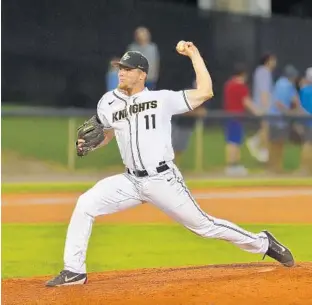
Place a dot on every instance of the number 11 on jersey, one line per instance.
(147, 121)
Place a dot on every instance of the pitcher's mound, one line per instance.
(242, 284)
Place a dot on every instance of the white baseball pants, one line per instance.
(166, 191)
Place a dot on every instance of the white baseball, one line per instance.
(181, 46)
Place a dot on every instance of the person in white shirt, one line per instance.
(262, 97)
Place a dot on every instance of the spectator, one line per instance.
(149, 49)
(306, 103)
(236, 101)
(182, 129)
(285, 101)
(112, 75)
(262, 96)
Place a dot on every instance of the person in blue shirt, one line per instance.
(112, 75)
(285, 100)
(306, 103)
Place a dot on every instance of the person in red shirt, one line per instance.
(236, 101)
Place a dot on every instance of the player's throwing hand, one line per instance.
(186, 48)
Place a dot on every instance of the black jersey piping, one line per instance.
(186, 101)
(130, 131)
(137, 136)
(206, 216)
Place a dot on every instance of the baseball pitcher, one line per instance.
(141, 122)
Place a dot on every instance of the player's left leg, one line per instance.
(169, 193)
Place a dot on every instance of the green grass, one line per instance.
(47, 139)
(13, 188)
(34, 250)
(10, 106)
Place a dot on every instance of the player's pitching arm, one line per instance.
(203, 91)
(108, 136)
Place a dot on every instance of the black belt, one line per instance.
(163, 167)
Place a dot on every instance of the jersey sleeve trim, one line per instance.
(107, 127)
(100, 102)
(186, 101)
(119, 97)
(102, 117)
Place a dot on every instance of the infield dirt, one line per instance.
(242, 284)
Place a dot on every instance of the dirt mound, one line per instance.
(211, 285)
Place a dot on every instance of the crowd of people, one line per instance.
(278, 103)
(290, 95)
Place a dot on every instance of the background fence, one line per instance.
(57, 53)
(36, 140)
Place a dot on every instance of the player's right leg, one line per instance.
(108, 196)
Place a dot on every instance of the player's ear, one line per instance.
(143, 76)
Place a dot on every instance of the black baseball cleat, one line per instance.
(278, 251)
(67, 278)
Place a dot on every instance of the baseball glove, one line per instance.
(92, 132)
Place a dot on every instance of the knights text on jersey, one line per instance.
(142, 124)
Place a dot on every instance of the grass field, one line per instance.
(47, 139)
(31, 250)
(46, 187)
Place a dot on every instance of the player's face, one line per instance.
(129, 78)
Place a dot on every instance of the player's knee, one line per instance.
(84, 203)
(203, 228)
(203, 231)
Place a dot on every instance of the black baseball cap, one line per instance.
(134, 60)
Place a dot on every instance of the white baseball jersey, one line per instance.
(142, 125)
